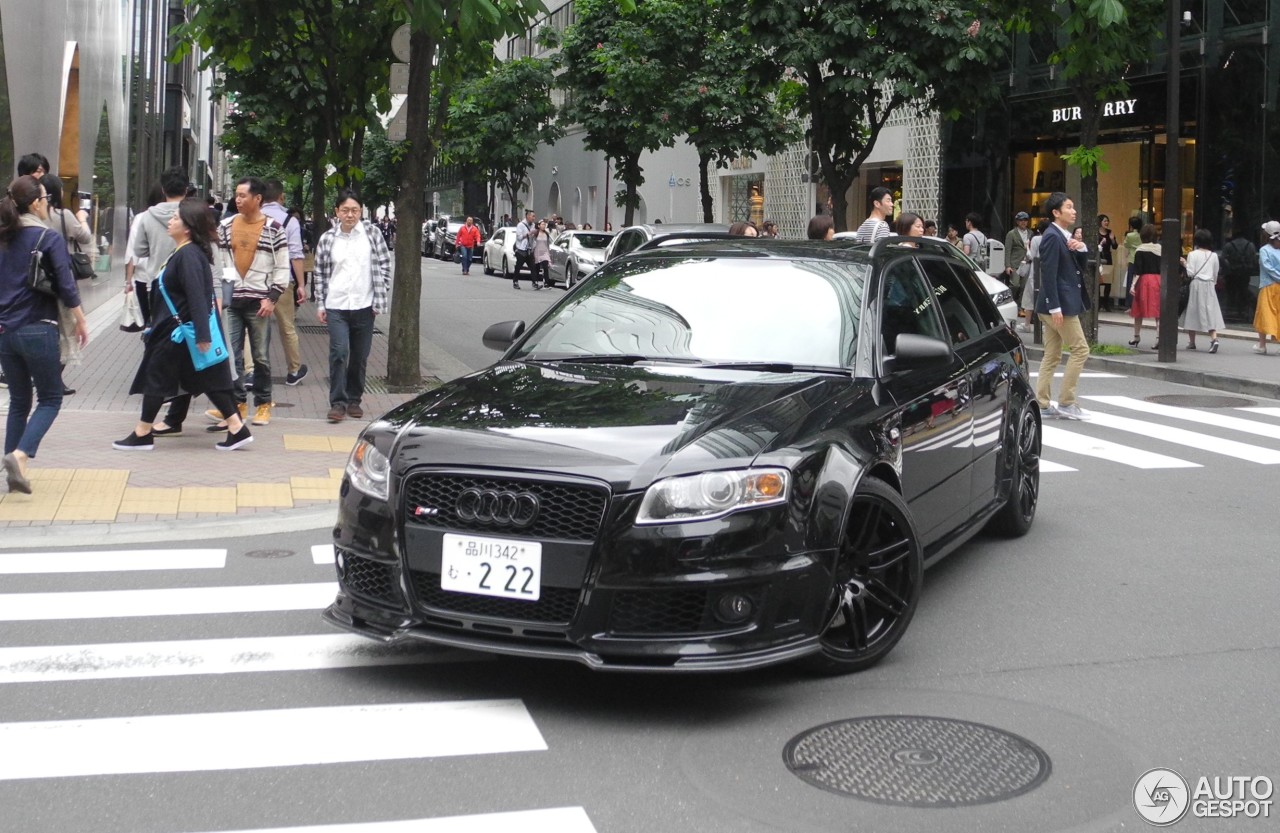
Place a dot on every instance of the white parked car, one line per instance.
(499, 253)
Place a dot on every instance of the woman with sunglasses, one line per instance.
(29, 324)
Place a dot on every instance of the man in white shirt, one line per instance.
(352, 285)
(876, 225)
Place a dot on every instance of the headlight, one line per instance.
(700, 497)
(368, 469)
(1002, 297)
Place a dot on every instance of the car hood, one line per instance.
(625, 425)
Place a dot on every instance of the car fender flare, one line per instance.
(838, 476)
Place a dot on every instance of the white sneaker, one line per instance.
(1073, 411)
(1260, 349)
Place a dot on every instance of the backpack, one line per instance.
(1239, 258)
(977, 248)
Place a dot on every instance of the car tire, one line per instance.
(484, 262)
(570, 276)
(506, 269)
(878, 572)
(1022, 468)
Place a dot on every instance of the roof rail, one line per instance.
(936, 245)
(660, 240)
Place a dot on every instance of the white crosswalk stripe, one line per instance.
(261, 739)
(554, 820)
(1083, 437)
(127, 660)
(212, 741)
(15, 563)
(176, 601)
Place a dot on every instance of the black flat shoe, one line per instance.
(66, 391)
(515, 284)
(167, 431)
(1213, 346)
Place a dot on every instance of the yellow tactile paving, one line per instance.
(41, 506)
(314, 483)
(138, 501)
(306, 442)
(337, 474)
(263, 494)
(120, 476)
(39, 474)
(343, 444)
(207, 499)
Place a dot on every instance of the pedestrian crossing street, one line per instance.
(180, 737)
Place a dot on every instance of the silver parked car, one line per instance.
(633, 237)
(576, 254)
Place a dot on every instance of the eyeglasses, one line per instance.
(41, 197)
(348, 211)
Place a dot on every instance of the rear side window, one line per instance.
(961, 317)
(908, 305)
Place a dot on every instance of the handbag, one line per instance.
(131, 318)
(81, 264)
(186, 332)
(39, 275)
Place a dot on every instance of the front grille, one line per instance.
(556, 605)
(567, 511)
(659, 612)
(370, 580)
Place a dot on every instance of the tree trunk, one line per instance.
(319, 211)
(704, 186)
(631, 180)
(357, 160)
(404, 369)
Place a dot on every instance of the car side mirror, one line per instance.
(502, 335)
(912, 350)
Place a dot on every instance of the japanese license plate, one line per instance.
(491, 567)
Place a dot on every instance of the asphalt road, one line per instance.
(1133, 628)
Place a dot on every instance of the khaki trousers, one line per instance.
(1071, 334)
(286, 310)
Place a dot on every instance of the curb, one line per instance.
(109, 534)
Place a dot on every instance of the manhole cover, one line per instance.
(268, 553)
(917, 761)
(1179, 400)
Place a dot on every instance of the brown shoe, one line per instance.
(263, 415)
(355, 411)
(337, 413)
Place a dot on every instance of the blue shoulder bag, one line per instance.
(186, 332)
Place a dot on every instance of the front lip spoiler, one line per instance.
(342, 620)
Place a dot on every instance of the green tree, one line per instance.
(381, 168)
(306, 77)
(727, 110)
(497, 121)
(859, 63)
(621, 73)
(1098, 42)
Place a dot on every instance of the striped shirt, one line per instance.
(268, 272)
(871, 230)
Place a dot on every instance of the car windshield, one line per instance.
(592, 241)
(709, 309)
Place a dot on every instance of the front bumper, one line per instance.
(730, 594)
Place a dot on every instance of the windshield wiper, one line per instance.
(617, 358)
(778, 367)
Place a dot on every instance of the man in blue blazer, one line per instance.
(1059, 304)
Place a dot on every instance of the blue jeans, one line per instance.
(350, 337)
(242, 318)
(466, 258)
(29, 358)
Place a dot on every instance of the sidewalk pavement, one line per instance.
(86, 492)
(287, 479)
(1235, 368)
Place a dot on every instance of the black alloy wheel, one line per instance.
(878, 574)
(1022, 468)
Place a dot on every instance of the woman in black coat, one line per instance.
(167, 371)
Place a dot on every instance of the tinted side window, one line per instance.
(988, 314)
(908, 305)
(630, 239)
(953, 301)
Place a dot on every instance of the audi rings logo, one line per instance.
(490, 506)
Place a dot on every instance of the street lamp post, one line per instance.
(1171, 226)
